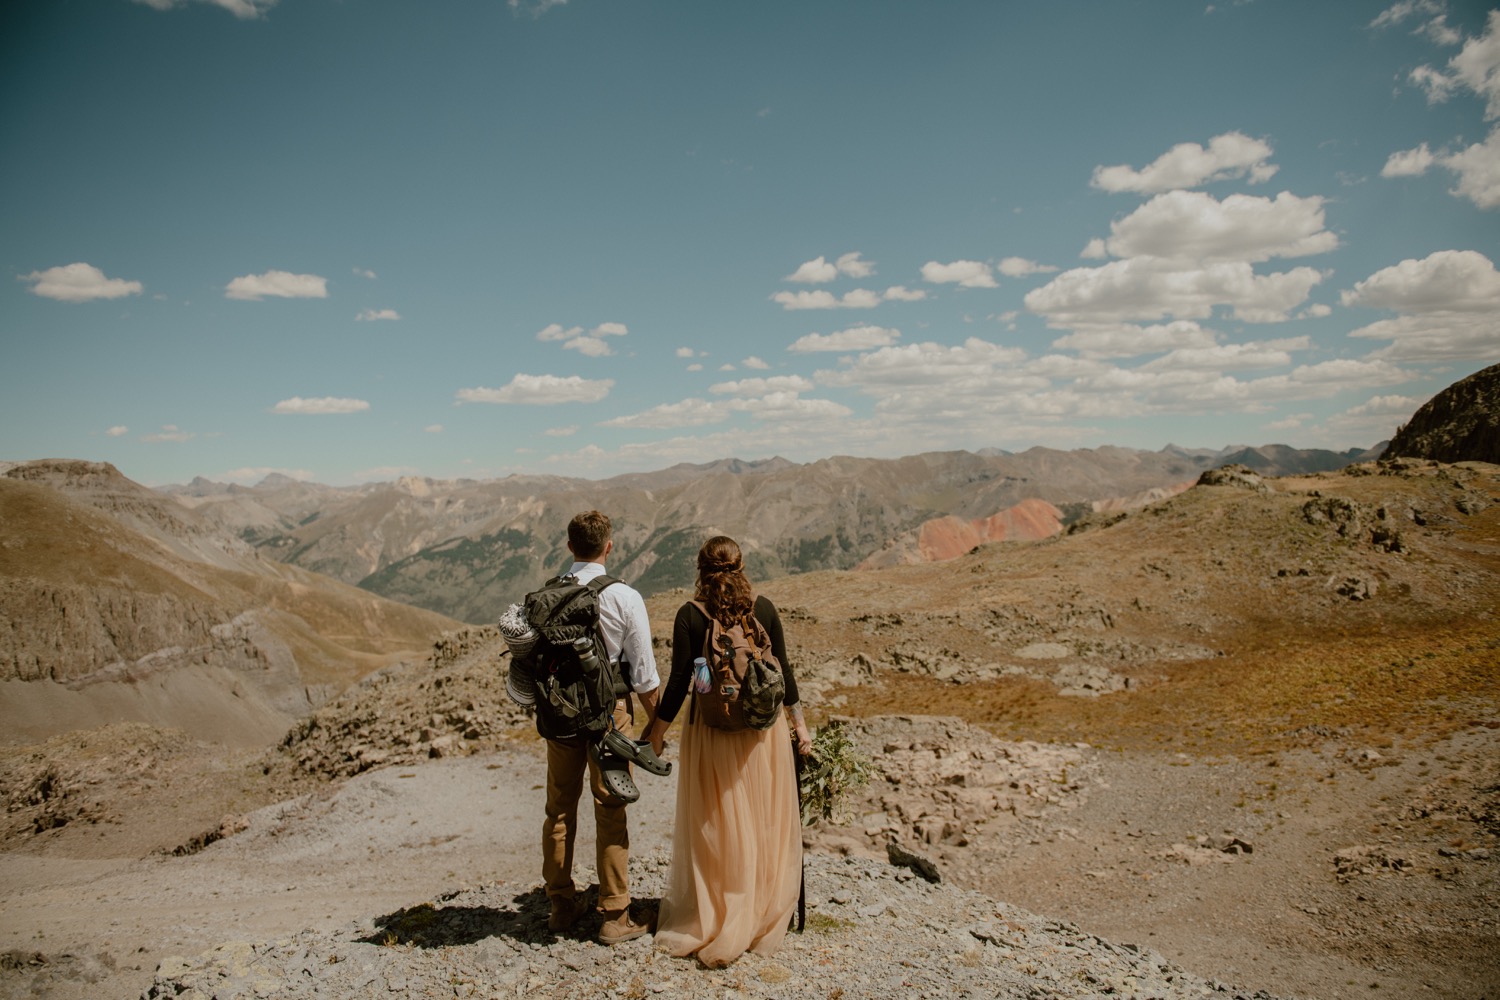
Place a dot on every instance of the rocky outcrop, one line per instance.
(1459, 424)
(448, 706)
(1239, 477)
(940, 784)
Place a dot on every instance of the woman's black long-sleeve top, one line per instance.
(688, 632)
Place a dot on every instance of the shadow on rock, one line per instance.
(440, 925)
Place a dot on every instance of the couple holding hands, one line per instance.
(737, 834)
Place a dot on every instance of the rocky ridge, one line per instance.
(1461, 423)
(121, 603)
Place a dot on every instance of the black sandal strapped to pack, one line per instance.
(635, 751)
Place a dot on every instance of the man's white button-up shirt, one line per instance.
(627, 630)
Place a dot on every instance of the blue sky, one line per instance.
(349, 240)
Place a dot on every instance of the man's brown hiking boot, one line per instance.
(620, 926)
(565, 913)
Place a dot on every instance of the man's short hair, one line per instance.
(588, 533)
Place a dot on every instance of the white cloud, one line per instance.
(1229, 156)
(695, 367)
(1440, 32)
(364, 272)
(1448, 307)
(534, 8)
(1230, 357)
(900, 293)
(788, 406)
(814, 272)
(688, 413)
(1408, 163)
(278, 284)
(366, 315)
(1401, 407)
(761, 386)
(590, 347)
(853, 266)
(964, 273)
(755, 363)
(1374, 420)
(924, 364)
(79, 282)
(558, 432)
(245, 10)
(169, 433)
(1126, 340)
(433, 428)
(118, 430)
(1477, 65)
(1449, 280)
(321, 404)
(1476, 68)
(1478, 169)
(1144, 288)
(540, 390)
(591, 344)
(1399, 12)
(855, 338)
(1438, 85)
(1020, 267)
(1193, 226)
(1290, 422)
(820, 271)
(859, 298)
(685, 352)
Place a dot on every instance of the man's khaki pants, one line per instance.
(566, 764)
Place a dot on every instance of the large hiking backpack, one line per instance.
(576, 684)
(743, 687)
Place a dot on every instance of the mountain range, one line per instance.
(467, 548)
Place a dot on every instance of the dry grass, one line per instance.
(1380, 687)
(1422, 656)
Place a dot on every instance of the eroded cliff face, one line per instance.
(950, 537)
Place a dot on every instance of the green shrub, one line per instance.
(834, 767)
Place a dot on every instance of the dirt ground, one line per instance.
(91, 908)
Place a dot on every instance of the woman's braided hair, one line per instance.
(722, 585)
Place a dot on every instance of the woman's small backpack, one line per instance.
(744, 688)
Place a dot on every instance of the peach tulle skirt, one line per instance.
(736, 845)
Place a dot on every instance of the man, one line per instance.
(627, 639)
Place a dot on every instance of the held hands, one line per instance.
(656, 734)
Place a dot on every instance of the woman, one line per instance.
(737, 838)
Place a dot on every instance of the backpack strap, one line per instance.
(692, 691)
